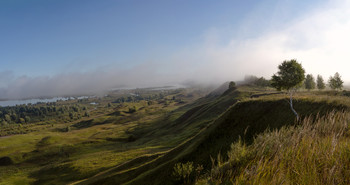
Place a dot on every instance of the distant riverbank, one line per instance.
(5, 103)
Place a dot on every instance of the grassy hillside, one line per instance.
(313, 152)
(222, 120)
(245, 120)
(192, 120)
(142, 147)
(110, 136)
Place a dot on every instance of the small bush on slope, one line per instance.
(314, 152)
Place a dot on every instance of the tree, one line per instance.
(27, 119)
(250, 79)
(86, 114)
(320, 83)
(335, 82)
(290, 75)
(231, 85)
(22, 120)
(7, 118)
(310, 82)
(71, 115)
(262, 82)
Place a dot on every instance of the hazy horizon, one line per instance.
(55, 48)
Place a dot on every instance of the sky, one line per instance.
(66, 47)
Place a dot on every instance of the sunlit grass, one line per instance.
(61, 152)
(314, 152)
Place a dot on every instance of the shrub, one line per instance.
(132, 109)
(5, 161)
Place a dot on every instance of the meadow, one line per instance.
(242, 135)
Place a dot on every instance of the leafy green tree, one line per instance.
(290, 75)
(320, 83)
(262, 82)
(14, 117)
(3, 123)
(22, 120)
(71, 115)
(250, 79)
(27, 119)
(231, 85)
(310, 82)
(335, 82)
(86, 114)
(7, 118)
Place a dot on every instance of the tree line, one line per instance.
(291, 75)
(309, 82)
(35, 113)
(334, 82)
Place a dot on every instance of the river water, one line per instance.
(6, 103)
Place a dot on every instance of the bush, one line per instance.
(132, 109)
(5, 161)
(46, 141)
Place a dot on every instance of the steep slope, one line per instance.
(219, 121)
(188, 125)
(176, 128)
(244, 120)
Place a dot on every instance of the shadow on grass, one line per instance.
(61, 174)
(89, 123)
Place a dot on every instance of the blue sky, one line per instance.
(46, 37)
(52, 39)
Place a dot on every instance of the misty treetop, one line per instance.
(310, 82)
(320, 82)
(335, 82)
(232, 85)
(254, 80)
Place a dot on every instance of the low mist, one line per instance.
(319, 40)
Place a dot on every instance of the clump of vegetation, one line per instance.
(132, 109)
(231, 85)
(314, 152)
(320, 83)
(24, 114)
(310, 82)
(48, 140)
(254, 80)
(183, 171)
(5, 161)
(335, 82)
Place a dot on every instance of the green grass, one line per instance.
(245, 120)
(67, 152)
(114, 146)
(313, 152)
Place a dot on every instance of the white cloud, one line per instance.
(319, 39)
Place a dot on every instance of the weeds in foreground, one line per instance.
(317, 151)
(185, 172)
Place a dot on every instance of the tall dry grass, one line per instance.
(316, 151)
